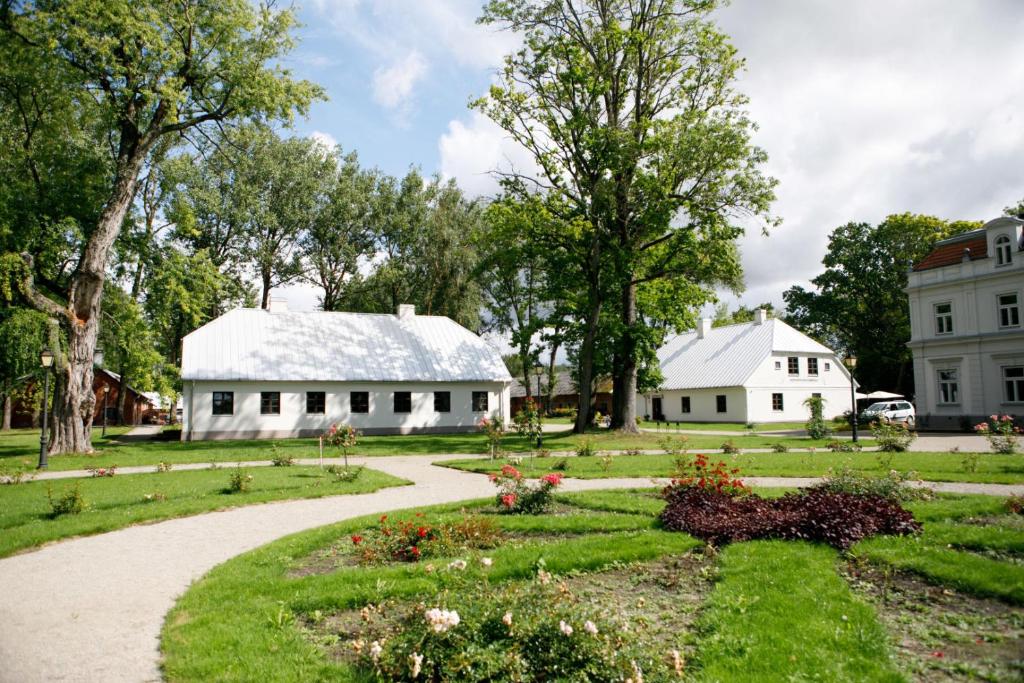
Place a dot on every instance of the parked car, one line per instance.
(890, 411)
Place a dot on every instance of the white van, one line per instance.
(890, 411)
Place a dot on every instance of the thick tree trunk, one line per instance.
(122, 386)
(8, 407)
(552, 378)
(266, 291)
(75, 402)
(626, 403)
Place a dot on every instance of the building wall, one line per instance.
(247, 421)
(978, 348)
(753, 401)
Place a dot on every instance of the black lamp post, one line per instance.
(106, 397)
(539, 370)
(45, 361)
(850, 362)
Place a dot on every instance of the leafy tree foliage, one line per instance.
(23, 334)
(860, 307)
(723, 316)
(629, 111)
(129, 73)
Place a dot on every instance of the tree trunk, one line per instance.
(75, 401)
(552, 379)
(627, 402)
(265, 305)
(8, 407)
(122, 386)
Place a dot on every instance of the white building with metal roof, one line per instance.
(255, 373)
(761, 371)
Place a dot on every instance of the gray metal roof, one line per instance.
(727, 356)
(254, 344)
(564, 385)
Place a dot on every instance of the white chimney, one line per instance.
(406, 311)
(278, 305)
(760, 315)
(703, 327)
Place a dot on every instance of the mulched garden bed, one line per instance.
(940, 634)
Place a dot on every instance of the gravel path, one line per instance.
(91, 609)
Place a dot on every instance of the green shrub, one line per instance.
(816, 426)
(344, 474)
(281, 459)
(838, 446)
(164, 467)
(585, 449)
(730, 447)
(674, 446)
(892, 436)
(893, 486)
(412, 540)
(560, 465)
(779, 447)
(239, 482)
(519, 496)
(70, 501)
(970, 462)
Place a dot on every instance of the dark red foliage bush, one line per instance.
(839, 519)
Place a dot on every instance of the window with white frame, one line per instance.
(944, 318)
(777, 404)
(949, 386)
(1009, 310)
(1004, 251)
(778, 365)
(812, 366)
(794, 365)
(1013, 383)
(828, 366)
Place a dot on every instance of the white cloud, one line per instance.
(393, 85)
(472, 150)
(325, 139)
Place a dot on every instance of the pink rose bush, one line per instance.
(1001, 432)
(517, 495)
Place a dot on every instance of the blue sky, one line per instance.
(865, 108)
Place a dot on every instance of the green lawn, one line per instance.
(991, 468)
(120, 501)
(725, 426)
(19, 448)
(261, 616)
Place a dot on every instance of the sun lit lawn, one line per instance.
(268, 614)
(120, 501)
(18, 449)
(991, 468)
(723, 426)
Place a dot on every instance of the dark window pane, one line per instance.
(812, 366)
(720, 403)
(270, 403)
(316, 402)
(686, 404)
(223, 403)
(360, 401)
(777, 402)
(442, 401)
(403, 402)
(479, 401)
(794, 365)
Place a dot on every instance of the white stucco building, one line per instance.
(965, 320)
(761, 371)
(254, 373)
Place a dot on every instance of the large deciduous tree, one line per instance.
(145, 69)
(22, 337)
(629, 111)
(860, 307)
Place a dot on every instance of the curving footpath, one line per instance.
(91, 609)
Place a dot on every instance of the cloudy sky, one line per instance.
(865, 108)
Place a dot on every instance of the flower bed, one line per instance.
(410, 540)
(711, 504)
(518, 496)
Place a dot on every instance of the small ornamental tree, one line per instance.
(343, 437)
(816, 426)
(494, 429)
(1001, 432)
(527, 422)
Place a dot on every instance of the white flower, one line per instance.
(441, 619)
(457, 564)
(677, 662)
(590, 627)
(565, 628)
(507, 619)
(543, 577)
(417, 662)
(376, 650)
(486, 561)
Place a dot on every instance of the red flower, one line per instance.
(508, 500)
(357, 539)
(938, 654)
(554, 478)
(415, 551)
(383, 518)
(509, 471)
(422, 532)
